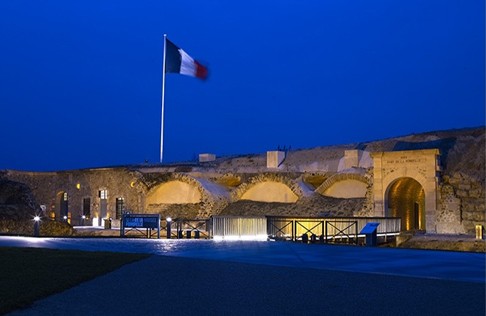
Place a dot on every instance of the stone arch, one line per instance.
(175, 191)
(186, 196)
(405, 198)
(344, 185)
(269, 188)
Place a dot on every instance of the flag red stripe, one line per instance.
(201, 71)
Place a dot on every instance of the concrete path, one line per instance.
(268, 278)
(445, 265)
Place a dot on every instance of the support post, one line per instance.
(326, 234)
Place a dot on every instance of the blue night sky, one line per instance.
(80, 81)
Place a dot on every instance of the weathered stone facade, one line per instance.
(445, 194)
(463, 204)
(419, 165)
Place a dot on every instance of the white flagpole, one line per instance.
(163, 101)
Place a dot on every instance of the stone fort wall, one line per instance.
(339, 181)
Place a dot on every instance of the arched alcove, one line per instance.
(270, 191)
(347, 189)
(174, 192)
(344, 185)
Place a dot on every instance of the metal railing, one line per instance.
(328, 228)
(313, 229)
(192, 228)
(340, 230)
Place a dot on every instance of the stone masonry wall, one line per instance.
(80, 184)
(462, 204)
(459, 207)
(367, 209)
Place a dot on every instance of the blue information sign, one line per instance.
(369, 228)
(141, 220)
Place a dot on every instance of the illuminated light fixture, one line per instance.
(168, 219)
(36, 225)
(78, 186)
(65, 217)
(132, 184)
(241, 238)
(83, 217)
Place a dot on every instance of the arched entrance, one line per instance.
(398, 174)
(405, 198)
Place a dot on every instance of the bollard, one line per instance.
(479, 231)
(313, 238)
(305, 238)
(196, 234)
(169, 221)
(107, 223)
(188, 234)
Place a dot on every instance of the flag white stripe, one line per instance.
(188, 66)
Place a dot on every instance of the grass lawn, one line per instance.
(28, 274)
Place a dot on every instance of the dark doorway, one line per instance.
(62, 210)
(120, 206)
(87, 207)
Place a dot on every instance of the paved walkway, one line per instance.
(255, 278)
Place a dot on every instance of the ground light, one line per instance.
(241, 237)
(36, 225)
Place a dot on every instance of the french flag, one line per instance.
(178, 61)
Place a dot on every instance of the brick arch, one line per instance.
(344, 185)
(268, 188)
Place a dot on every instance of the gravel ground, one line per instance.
(162, 285)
